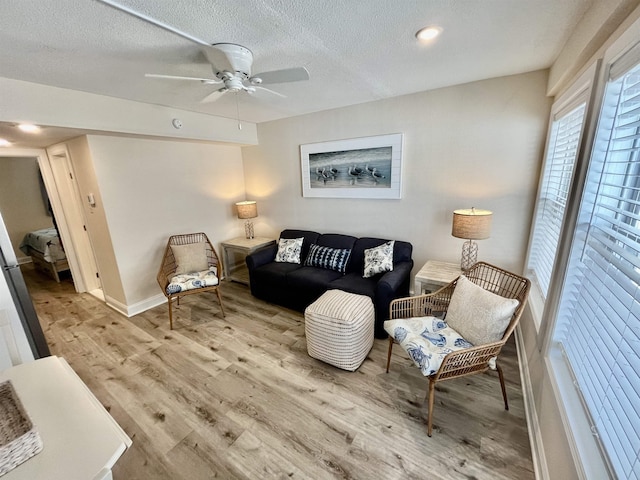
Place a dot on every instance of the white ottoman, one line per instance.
(339, 328)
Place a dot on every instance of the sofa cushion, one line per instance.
(274, 273)
(354, 283)
(336, 240)
(312, 278)
(378, 259)
(289, 250)
(327, 257)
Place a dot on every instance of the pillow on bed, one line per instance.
(190, 258)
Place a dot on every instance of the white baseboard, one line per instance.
(136, 308)
(540, 467)
(145, 305)
(116, 305)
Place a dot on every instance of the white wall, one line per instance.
(473, 145)
(152, 189)
(44, 105)
(21, 201)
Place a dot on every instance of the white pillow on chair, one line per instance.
(478, 315)
(190, 258)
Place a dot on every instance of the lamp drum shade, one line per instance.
(248, 209)
(471, 224)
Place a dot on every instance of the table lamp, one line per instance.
(246, 211)
(471, 224)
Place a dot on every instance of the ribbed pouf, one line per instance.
(339, 328)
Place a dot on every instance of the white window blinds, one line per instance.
(564, 139)
(598, 324)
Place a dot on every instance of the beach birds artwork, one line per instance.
(360, 168)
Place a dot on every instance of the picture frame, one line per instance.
(365, 167)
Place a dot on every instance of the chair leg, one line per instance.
(220, 300)
(389, 354)
(170, 315)
(504, 390)
(432, 391)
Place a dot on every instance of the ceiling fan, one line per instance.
(231, 65)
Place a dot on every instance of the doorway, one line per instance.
(64, 197)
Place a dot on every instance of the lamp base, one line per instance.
(469, 255)
(248, 229)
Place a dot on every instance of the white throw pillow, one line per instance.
(378, 259)
(289, 250)
(190, 258)
(478, 315)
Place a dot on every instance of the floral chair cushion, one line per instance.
(378, 259)
(191, 281)
(427, 340)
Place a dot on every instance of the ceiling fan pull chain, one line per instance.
(238, 111)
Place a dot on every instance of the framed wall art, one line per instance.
(366, 167)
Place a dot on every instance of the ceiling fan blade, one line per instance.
(213, 96)
(269, 90)
(281, 76)
(208, 81)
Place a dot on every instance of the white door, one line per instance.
(75, 237)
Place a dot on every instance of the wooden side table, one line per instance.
(434, 275)
(234, 253)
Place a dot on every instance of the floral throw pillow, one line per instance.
(289, 250)
(378, 259)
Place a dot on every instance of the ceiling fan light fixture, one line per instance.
(426, 34)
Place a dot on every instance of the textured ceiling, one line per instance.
(355, 50)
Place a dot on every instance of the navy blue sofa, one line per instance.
(296, 286)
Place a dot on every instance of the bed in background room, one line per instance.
(46, 252)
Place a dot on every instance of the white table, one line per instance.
(434, 275)
(81, 441)
(234, 253)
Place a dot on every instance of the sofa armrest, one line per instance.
(261, 257)
(391, 285)
(393, 281)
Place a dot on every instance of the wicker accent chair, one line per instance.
(169, 267)
(473, 359)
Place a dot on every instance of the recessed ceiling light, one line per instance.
(427, 34)
(29, 128)
(4, 143)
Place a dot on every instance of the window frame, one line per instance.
(582, 89)
(588, 459)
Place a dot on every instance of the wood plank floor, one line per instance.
(240, 398)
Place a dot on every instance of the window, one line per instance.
(598, 321)
(562, 149)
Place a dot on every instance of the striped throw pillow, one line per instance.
(327, 257)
